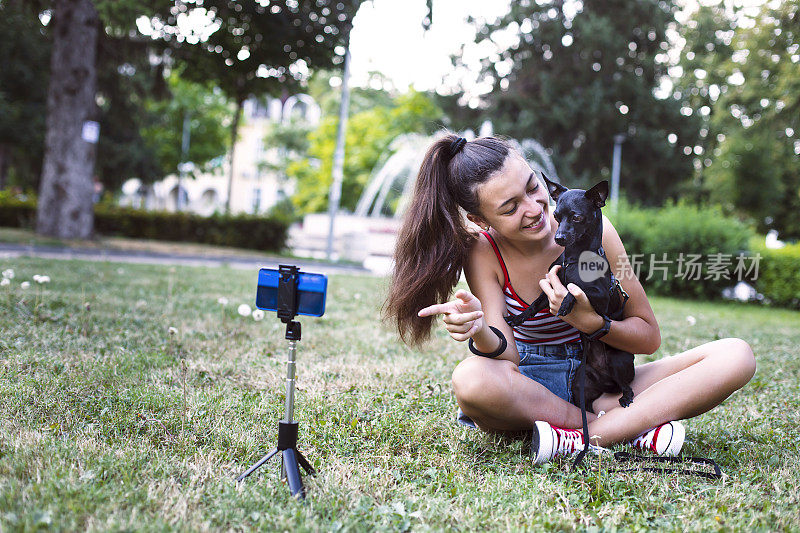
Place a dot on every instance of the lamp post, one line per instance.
(618, 140)
(183, 167)
(335, 193)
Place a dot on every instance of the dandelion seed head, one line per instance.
(244, 310)
(222, 301)
(25, 285)
(691, 320)
(173, 331)
(5, 282)
(8, 274)
(258, 314)
(42, 279)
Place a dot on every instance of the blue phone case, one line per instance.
(311, 290)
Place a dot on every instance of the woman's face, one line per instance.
(514, 202)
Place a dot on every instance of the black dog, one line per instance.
(583, 262)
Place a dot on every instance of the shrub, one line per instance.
(663, 244)
(241, 231)
(779, 274)
(16, 213)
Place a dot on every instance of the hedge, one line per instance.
(779, 274)
(663, 244)
(241, 231)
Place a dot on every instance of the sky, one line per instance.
(388, 37)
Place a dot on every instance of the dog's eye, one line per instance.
(577, 218)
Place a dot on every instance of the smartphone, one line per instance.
(311, 289)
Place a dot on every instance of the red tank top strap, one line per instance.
(506, 280)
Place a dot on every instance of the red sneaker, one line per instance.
(550, 441)
(666, 439)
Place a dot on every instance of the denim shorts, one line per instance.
(552, 365)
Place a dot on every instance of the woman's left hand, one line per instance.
(583, 316)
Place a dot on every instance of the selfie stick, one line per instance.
(287, 428)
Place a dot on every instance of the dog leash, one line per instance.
(582, 397)
(624, 457)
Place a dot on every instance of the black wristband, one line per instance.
(602, 331)
(498, 351)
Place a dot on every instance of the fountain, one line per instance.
(368, 234)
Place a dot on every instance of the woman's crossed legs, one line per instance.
(498, 398)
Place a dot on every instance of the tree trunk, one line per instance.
(65, 195)
(234, 133)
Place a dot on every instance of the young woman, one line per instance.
(520, 379)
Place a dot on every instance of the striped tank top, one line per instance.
(543, 327)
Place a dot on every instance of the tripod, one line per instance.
(287, 428)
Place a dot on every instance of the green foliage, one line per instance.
(662, 241)
(266, 233)
(328, 96)
(290, 142)
(209, 116)
(126, 81)
(257, 47)
(25, 53)
(742, 75)
(369, 134)
(746, 176)
(16, 212)
(779, 274)
(577, 79)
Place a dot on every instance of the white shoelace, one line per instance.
(645, 440)
(569, 441)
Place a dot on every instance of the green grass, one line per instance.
(109, 422)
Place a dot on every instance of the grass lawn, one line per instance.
(110, 422)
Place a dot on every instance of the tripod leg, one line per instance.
(304, 463)
(258, 464)
(293, 474)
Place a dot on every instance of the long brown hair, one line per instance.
(433, 241)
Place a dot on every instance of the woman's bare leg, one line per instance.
(497, 397)
(674, 388)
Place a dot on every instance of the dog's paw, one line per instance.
(626, 399)
(566, 305)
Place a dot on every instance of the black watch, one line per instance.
(602, 331)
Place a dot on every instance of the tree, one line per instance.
(368, 138)
(208, 112)
(575, 79)
(65, 196)
(129, 76)
(742, 72)
(701, 76)
(25, 49)
(257, 47)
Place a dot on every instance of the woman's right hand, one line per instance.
(463, 317)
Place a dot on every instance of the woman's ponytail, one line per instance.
(433, 241)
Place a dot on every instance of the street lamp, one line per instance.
(618, 140)
(338, 156)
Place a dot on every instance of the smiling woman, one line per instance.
(526, 385)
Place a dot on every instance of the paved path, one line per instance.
(9, 250)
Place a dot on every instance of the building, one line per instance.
(254, 189)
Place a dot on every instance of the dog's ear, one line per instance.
(598, 194)
(555, 189)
